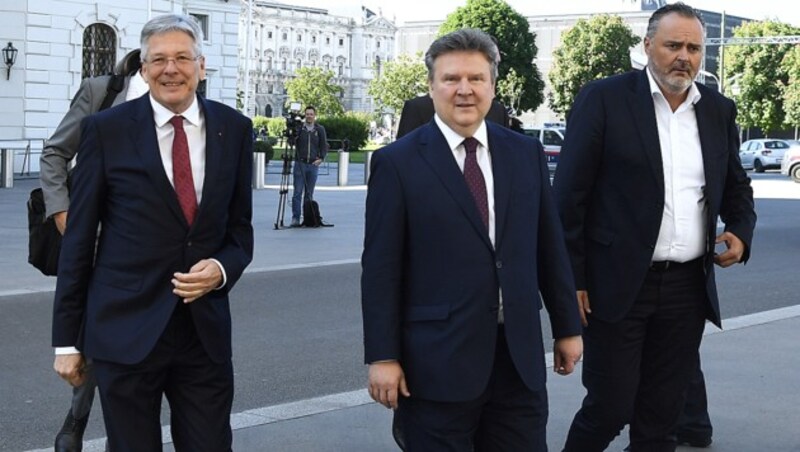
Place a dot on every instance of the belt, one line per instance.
(302, 160)
(663, 266)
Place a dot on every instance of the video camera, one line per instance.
(294, 121)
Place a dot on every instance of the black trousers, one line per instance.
(506, 417)
(199, 391)
(636, 371)
(694, 422)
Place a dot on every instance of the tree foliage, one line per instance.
(590, 50)
(762, 77)
(791, 91)
(314, 86)
(514, 39)
(510, 90)
(400, 80)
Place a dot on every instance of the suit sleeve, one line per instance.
(737, 210)
(382, 261)
(555, 278)
(577, 170)
(237, 250)
(62, 146)
(78, 247)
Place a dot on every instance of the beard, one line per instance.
(673, 82)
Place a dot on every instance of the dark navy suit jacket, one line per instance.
(610, 188)
(431, 276)
(115, 305)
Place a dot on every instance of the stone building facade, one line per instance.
(284, 38)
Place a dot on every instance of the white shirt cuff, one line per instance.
(224, 275)
(66, 350)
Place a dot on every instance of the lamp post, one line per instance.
(9, 57)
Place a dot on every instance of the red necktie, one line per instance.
(182, 171)
(475, 181)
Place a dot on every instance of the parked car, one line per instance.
(791, 161)
(552, 137)
(763, 153)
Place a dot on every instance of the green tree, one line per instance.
(510, 89)
(514, 39)
(791, 91)
(590, 50)
(763, 75)
(314, 86)
(400, 80)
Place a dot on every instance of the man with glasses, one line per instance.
(167, 176)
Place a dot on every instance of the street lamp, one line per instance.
(705, 73)
(9, 57)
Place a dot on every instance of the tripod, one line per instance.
(283, 191)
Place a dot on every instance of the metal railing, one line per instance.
(9, 150)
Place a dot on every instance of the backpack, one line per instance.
(44, 240)
(311, 216)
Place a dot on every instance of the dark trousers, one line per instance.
(637, 370)
(506, 417)
(694, 422)
(199, 391)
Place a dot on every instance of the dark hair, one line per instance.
(680, 8)
(465, 39)
(130, 63)
(310, 107)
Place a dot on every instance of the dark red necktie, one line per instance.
(182, 171)
(475, 181)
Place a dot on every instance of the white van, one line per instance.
(552, 137)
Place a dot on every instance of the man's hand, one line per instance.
(386, 380)
(317, 162)
(71, 368)
(61, 221)
(583, 306)
(567, 352)
(734, 252)
(202, 278)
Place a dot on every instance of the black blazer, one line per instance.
(121, 299)
(610, 188)
(431, 276)
(419, 111)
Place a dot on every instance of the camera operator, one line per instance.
(311, 147)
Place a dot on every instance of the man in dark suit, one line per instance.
(167, 176)
(649, 163)
(461, 240)
(419, 111)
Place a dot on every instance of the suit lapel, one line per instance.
(143, 133)
(502, 173)
(436, 152)
(708, 141)
(644, 114)
(214, 149)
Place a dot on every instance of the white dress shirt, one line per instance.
(681, 237)
(137, 87)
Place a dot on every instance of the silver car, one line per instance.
(763, 153)
(791, 161)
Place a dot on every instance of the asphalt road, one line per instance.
(297, 333)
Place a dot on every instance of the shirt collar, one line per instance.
(454, 140)
(162, 114)
(136, 86)
(693, 97)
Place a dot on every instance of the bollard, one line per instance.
(258, 170)
(6, 168)
(367, 163)
(344, 164)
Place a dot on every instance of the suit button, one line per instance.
(189, 244)
(652, 247)
(498, 264)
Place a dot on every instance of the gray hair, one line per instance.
(680, 8)
(463, 40)
(172, 22)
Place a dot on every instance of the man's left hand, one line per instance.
(317, 162)
(734, 252)
(202, 278)
(567, 352)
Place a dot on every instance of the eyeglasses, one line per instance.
(180, 61)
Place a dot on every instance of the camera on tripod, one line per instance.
(294, 121)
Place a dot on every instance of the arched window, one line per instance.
(99, 50)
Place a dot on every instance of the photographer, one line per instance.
(311, 147)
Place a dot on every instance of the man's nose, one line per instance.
(464, 87)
